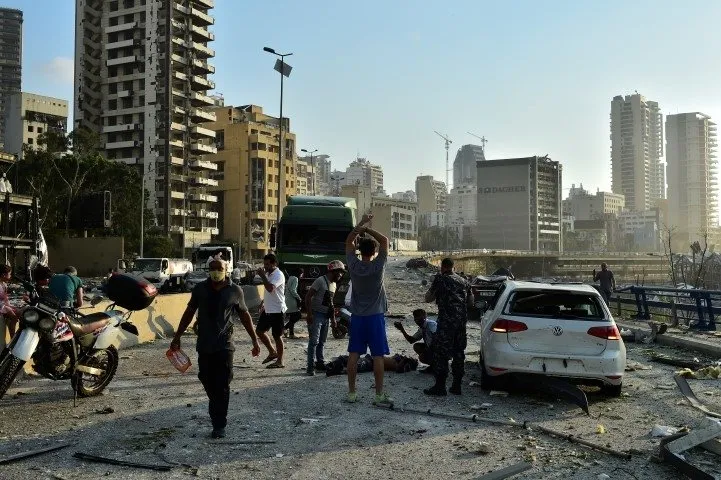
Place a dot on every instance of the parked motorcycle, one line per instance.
(64, 344)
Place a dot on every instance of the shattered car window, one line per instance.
(555, 304)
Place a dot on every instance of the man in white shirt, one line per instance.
(273, 310)
(422, 340)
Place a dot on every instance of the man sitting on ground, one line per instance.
(422, 340)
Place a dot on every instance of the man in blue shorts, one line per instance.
(368, 306)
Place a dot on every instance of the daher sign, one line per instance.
(509, 189)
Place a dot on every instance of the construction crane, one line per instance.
(448, 189)
(482, 139)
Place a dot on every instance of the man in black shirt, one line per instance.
(217, 300)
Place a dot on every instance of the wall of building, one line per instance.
(91, 256)
(362, 195)
(431, 195)
(28, 116)
(11, 54)
(462, 205)
(395, 219)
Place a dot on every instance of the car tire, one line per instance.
(487, 382)
(612, 390)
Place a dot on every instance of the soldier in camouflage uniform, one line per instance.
(451, 293)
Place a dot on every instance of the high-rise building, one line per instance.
(11, 54)
(141, 83)
(247, 142)
(462, 204)
(464, 166)
(692, 177)
(306, 183)
(636, 151)
(519, 204)
(432, 197)
(322, 171)
(363, 172)
(28, 116)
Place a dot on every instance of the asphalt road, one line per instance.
(155, 415)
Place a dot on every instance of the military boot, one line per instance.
(439, 389)
(456, 387)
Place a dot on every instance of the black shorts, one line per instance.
(273, 322)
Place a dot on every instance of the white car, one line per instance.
(551, 329)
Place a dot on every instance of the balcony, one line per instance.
(120, 44)
(180, 76)
(179, 93)
(201, 18)
(204, 214)
(206, 3)
(201, 148)
(201, 34)
(121, 128)
(179, 111)
(203, 182)
(178, 8)
(203, 132)
(179, 59)
(175, 229)
(202, 51)
(176, 143)
(202, 197)
(175, 195)
(200, 67)
(203, 165)
(128, 161)
(122, 27)
(123, 144)
(210, 230)
(199, 100)
(124, 93)
(178, 212)
(122, 60)
(200, 83)
(178, 127)
(198, 115)
(177, 161)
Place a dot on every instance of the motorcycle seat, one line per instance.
(88, 323)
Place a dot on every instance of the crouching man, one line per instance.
(422, 340)
(217, 300)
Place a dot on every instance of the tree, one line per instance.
(668, 251)
(158, 246)
(434, 238)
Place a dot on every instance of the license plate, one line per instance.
(556, 365)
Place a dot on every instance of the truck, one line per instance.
(167, 274)
(310, 234)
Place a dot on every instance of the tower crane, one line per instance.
(482, 139)
(448, 188)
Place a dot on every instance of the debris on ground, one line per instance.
(416, 263)
(105, 411)
(122, 463)
(498, 393)
(600, 429)
(675, 361)
(664, 431)
(701, 374)
(482, 406)
(673, 447)
(31, 453)
(692, 398)
(507, 472)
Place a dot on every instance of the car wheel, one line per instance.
(487, 382)
(611, 390)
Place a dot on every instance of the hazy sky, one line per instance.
(377, 77)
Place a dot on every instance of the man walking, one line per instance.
(451, 293)
(321, 311)
(274, 309)
(368, 306)
(607, 282)
(422, 340)
(293, 302)
(217, 300)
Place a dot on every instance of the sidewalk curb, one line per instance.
(671, 340)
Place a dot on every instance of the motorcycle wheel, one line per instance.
(9, 369)
(90, 385)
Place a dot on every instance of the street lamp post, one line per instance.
(284, 70)
(312, 166)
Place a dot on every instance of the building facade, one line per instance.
(643, 231)
(692, 177)
(432, 197)
(362, 195)
(27, 116)
(464, 166)
(462, 204)
(141, 83)
(322, 174)
(636, 151)
(581, 205)
(247, 143)
(407, 196)
(305, 181)
(397, 220)
(363, 172)
(11, 55)
(519, 204)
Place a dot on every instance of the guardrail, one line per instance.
(696, 308)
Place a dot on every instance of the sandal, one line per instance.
(269, 358)
(276, 365)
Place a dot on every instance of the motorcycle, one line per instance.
(64, 344)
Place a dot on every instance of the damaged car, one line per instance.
(555, 330)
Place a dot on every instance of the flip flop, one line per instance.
(275, 365)
(270, 358)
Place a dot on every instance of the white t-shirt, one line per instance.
(274, 301)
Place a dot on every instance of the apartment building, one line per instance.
(519, 204)
(407, 196)
(636, 151)
(581, 205)
(432, 195)
(28, 116)
(247, 148)
(363, 172)
(305, 181)
(462, 204)
(692, 177)
(11, 54)
(397, 220)
(141, 83)
(322, 170)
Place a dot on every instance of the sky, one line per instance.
(376, 78)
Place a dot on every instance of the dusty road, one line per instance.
(159, 415)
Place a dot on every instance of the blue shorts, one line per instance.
(368, 332)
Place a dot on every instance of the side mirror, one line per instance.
(271, 240)
(481, 305)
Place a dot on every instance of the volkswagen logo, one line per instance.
(557, 331)
(314, 272)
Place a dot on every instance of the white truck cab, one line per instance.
(165, 273)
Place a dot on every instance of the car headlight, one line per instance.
(31, 317)
(46, 324)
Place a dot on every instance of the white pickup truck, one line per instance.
(167, 274)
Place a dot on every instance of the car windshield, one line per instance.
(310, 238)
(147, 265)
(556, 304)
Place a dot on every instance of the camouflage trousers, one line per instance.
(449, 343)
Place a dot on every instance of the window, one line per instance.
(112, 105)
(556, 304)
(40, 129)
(31, 128)
(30, 141)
